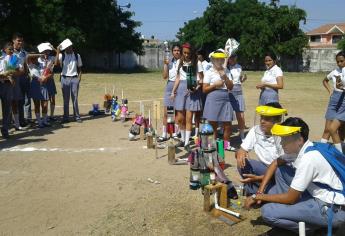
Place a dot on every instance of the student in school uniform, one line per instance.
(307, 188)
(39, 90)
(260, 140)
(71, 64)
(6, 89)
(47, 61)
(271, 82)
(216, 84)
(335, 114)
(236, 94)
(22, 100)
(186, 100)
(169, 74)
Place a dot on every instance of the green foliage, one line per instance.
(257, 26)
(341, 44)
(89, 24)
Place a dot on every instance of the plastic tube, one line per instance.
(301, 228)
(223, 209)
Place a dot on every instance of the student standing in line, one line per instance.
(335, 114)
(216, 85)
(39, 90)
(71, 64)
(46, 61)
(169, 74)
(236, 94)
(181, 93)
(271, 82)
(22, 100)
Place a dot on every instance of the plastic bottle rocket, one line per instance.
(194, 179)
(113, 108)
(166, 50)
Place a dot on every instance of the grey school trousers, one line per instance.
(6, 93)
(70, 88)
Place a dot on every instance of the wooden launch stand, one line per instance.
(221, 190)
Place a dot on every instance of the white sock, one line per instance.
(323, 140)
(52, 109)
(338, 146)
(38, 118)
(242, 134)
(186, 141)
(196, 131)
(16, 120)
(164, 131)
(183, 135)
(176, 129)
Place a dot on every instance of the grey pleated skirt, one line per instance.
(237, 99)
(268, 95)
(181, 96)
(38, 91)
(168, 102)
(218, 106)
(193, 101)
(336, 106)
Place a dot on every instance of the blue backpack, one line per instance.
(335, 158)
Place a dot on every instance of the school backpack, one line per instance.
(335, 158)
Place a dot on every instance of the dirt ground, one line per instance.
(88, 179)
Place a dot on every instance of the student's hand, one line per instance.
(241, 157)
(172, 96)
(339, 85)
(250, 178)
(166, 61)
(219, 83)
(260, 86)
(249, 203)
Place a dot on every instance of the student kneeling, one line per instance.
(307, 189)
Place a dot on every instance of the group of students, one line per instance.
(218, 93)
(292, 179)
(30, 76)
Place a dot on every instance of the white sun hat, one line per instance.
(44, 46)
(65, 44)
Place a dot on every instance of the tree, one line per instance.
(341, 44)
(89, 24)
(257, 26)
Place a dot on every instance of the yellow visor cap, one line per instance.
(270, 111)
(219, 55)
(281, 130)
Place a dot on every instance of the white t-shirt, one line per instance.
(332, 76)
(173, 69)
(205, 66)
(70, 65)
(313, 167)
(264, 146)
(271, 75)
(182, 73)
(235, 73)
(43, 63)
(212, 75)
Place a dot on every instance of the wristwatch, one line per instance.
(254, 196)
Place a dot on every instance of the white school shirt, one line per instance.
(35, 71)
(313, 167)
(183, 75)
(21, 54)
(42, 62)
(271, 75)
(264, 146)
(332, 76)
(212, 75)
(70, 65)
(205, 66)
(173, 69)
(235, 73)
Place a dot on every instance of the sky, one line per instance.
(163, 18)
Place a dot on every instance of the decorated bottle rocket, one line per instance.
(220, 152)
(166, 51)
(171, 130)
(48, 69)
(114, 108)
(124, 110)
(194, 179)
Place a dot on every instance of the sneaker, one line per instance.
(46, 124)
(18, 128)
(179, 144)
(231, 149)
(175, 136)
(78, 120)
(52, 118)
(162, 139)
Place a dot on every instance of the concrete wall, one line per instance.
(319, 59)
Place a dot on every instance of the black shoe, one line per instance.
(64, 120)
(179, 144)
(162, 139)
(52, 118)
(5, 134)
(232, 193)
(23, 124)
(78, 120)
